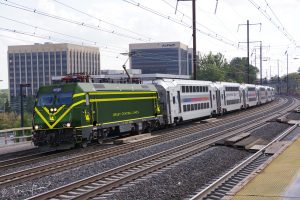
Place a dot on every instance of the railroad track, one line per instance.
(106, 181)
(228, 181)
(37, 157)
(36, 172)
(29, 159)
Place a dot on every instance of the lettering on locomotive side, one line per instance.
(136, 112)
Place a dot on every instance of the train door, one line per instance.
(218, 100)
(179, 101)
(169, 107)
(244, 98)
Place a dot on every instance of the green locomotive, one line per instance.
(72, 114)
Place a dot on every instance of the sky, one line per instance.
(112, 25)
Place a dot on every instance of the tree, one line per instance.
(236, 71)
(211, 67)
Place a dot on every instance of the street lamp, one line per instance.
(21, 93)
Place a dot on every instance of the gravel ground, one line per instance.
(293, 116)
(44, 184)
(270, 130)
(183, 179)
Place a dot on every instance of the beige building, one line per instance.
(36, 64)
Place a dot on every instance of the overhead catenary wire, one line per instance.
(268, 17)
(177, 21)
(83, 24)
(101, 20)
(82, 40)
(45, 37)
(190, 18)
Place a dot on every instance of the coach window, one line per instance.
(206, 88)
(188, 107)
(173, 100)
(184, 108)
(200, 88)
(194, 88)
(197, 88)
(191, 88)
(183, 89)
(192, 106)
(199, 107)
(187, 89)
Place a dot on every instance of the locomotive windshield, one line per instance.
(55, 99)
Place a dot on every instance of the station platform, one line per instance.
(279, 180)
(16, 147)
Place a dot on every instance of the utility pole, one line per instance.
(260, 64)
(248, 65)
(21, 93)
(278, 76)
(287, 72)
(194, 41)
(194, 37)
(247, 75)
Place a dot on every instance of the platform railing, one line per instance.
(15, 135)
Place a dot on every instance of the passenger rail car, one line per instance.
(249, 95)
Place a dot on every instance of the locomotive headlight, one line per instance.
(36, 127)
(55, 109)
(51, 109)
(68, 124)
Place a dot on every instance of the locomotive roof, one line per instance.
(88, 87)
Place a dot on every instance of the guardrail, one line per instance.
(15, 135)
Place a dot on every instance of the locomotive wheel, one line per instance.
(84, 144)
(100, 141)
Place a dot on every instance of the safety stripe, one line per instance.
(78, 95)
(109, 93)
(46, 110)
(42, 117)
(121, 99)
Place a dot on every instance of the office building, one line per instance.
(162, 58)
(36, 64)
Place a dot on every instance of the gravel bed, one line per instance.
(44, 184)
(270, 130)
(184, 178)
(293, 116)
(70, 154)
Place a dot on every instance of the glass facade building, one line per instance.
(37, 64)
(162, 58)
